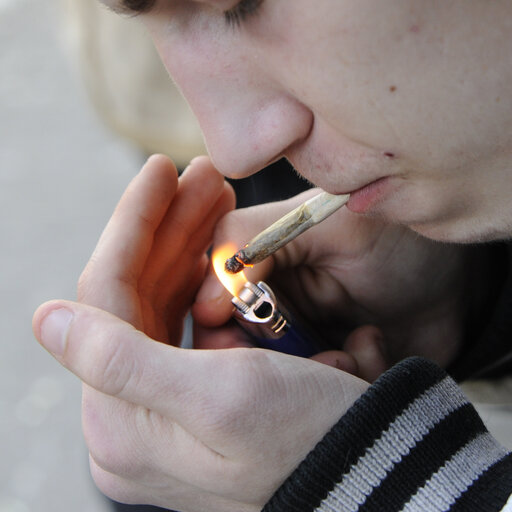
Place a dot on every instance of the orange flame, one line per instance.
(232, 282)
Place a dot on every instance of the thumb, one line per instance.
(116, 359)
(338, 359)
(366, 345)
(363, 354)
(99, 348)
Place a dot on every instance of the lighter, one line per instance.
(271, 327)
(258, 312)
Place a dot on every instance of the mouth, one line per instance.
(368, 175)
(366, 197)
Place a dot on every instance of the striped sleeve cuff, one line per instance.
(411, 443)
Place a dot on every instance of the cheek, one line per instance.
(334, 65)
(404, 78)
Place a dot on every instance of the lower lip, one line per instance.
(363, 199)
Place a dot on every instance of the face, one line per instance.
(407, 105)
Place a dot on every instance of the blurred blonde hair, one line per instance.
(127, 83)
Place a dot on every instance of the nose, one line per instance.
(247, 116)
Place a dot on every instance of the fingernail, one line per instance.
(54, 330)
(347, 364)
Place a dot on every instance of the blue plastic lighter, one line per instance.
(271, 327)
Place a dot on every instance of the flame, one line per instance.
(232, 282)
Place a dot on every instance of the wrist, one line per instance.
(396, 437)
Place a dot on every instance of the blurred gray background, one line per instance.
(61, 173)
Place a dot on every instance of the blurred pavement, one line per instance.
(61, 174)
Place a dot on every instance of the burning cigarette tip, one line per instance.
(234, 264)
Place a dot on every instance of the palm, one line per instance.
(219, 405)
(350, 271)
(373, 273)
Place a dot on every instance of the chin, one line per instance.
(461, 232)
(456, 223)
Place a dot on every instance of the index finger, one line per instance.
(125, 244)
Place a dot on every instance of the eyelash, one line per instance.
(241, 11)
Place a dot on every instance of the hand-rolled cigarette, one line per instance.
(284, 230)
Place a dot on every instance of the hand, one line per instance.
(380, 291)
(151, 258)
(192, 430)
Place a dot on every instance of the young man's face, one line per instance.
(407, 102)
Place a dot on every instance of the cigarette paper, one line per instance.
(285, 229)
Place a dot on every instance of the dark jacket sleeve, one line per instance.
(411, 442)
(487, 351)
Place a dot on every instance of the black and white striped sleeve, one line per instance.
(411, 443)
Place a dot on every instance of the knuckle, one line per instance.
(233, 224)
(236, 409)
(114, 370)
(106, 425)
(112, 486)
(97, 428)
(108, 458)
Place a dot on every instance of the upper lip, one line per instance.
(340, 186)
(350, 168)
(366, 185)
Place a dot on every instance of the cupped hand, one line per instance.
(151, 258)
(191, 430)
(379, 291)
